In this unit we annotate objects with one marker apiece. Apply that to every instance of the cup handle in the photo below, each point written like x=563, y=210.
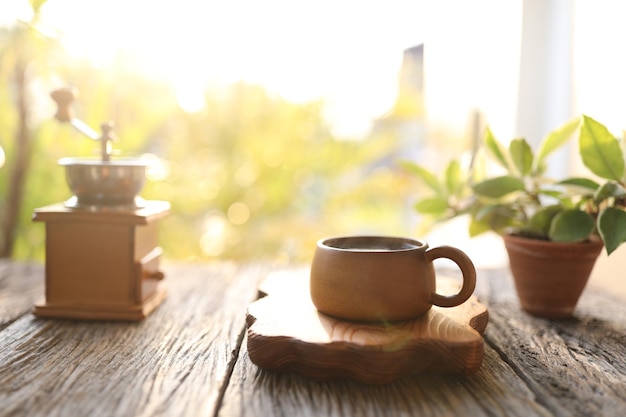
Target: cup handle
x=467, y=269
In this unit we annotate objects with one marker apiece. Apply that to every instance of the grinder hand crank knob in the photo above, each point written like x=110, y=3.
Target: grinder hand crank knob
x=64, y=98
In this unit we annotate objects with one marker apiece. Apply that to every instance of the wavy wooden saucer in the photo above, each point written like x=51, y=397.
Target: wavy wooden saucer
x=287, y=333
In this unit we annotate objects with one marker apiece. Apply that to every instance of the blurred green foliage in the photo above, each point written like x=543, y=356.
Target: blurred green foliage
x=251, y=175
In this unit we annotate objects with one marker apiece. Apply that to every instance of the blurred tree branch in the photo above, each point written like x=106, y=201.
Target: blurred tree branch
x=24, y=44
x=19, y=164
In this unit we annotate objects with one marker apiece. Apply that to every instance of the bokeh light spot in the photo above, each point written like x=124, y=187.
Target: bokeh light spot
x=238, y=213
x=158, y=169
x=215, y=231
x=208, y=189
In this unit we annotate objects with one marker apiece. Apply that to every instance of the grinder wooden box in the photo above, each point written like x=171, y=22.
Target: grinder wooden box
x=102, y=263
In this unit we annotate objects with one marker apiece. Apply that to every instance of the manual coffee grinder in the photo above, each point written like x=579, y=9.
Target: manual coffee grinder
x=102, y=253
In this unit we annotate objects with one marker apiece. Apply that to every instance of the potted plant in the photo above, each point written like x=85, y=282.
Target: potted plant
x=553, y=229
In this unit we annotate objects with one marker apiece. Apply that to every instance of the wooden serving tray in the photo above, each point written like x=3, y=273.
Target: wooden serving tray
x=287, y=333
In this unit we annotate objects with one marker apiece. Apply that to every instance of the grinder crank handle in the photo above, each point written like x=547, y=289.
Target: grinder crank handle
x=64, y=98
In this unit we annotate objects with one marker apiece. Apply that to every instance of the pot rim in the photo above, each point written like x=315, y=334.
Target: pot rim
x=592, y=241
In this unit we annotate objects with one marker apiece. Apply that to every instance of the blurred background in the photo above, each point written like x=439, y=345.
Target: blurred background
x=276, y=123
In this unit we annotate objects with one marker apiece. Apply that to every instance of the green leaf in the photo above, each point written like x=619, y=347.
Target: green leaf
x=522, y=155
x=571, y=226
x=600, y=150
x=542, y=219
x=496, y=217
x=454, y=178
x=478, y=227
x=580, y=182
x=499, y=186
x=539, y=168
x=554, y=140
x=36, y=5
x=608, y=190
x=612, y=228
x=556, y=194
x=496, y=149
x=432, y=206
x=427, y=176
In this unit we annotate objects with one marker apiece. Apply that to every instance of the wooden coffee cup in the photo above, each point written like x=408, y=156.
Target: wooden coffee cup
x=382, y=278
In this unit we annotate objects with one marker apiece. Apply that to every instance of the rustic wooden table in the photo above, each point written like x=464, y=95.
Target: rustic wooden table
x=189, y=358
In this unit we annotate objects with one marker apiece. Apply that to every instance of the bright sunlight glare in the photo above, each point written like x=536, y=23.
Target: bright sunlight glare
x=347, y=52
x=341, y=52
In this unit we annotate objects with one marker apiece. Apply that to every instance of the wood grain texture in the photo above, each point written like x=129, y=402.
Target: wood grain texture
x=21, y=285
x=185, y=359
x=506, y=384
x=176, y=362
x=575, y=367
x=287, y=333
x=495, y=390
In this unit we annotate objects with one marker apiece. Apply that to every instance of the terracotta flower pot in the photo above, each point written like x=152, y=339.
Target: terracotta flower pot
x=550, y=276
